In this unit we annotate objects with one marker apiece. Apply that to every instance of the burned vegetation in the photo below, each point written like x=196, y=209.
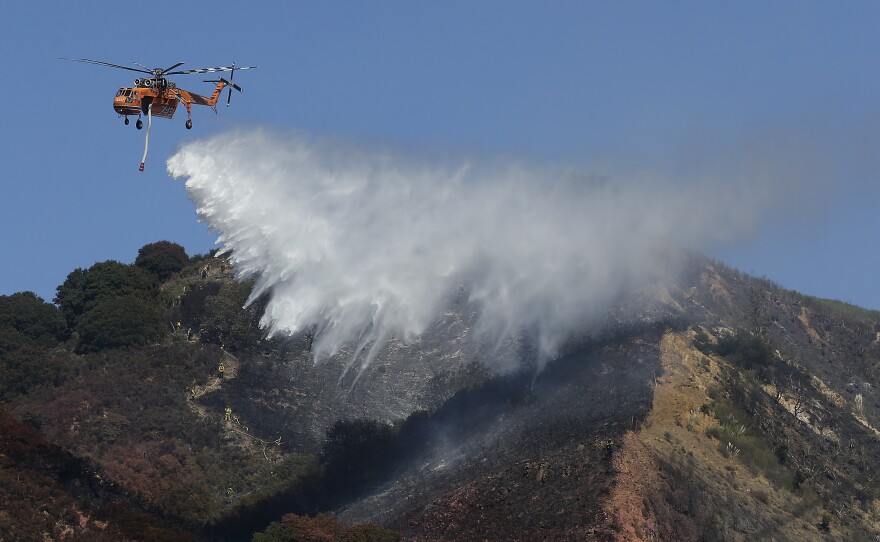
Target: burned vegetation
x=147, y=404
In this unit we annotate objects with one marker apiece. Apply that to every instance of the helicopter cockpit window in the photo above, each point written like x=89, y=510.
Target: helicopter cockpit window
x=120, y=93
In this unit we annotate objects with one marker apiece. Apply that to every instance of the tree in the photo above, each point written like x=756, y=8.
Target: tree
x=162, y=259
x=84, y=289
x=117, y=322
x=25, y=319
x=799, y=392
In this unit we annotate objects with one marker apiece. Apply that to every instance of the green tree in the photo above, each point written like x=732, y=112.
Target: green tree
x=84, y=289
x=25, y=319
x=162, y=259
x=117, y=322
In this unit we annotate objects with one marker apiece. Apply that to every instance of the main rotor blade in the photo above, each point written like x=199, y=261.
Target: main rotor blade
x=210, y=70
x=89, y=61
x=166, y=70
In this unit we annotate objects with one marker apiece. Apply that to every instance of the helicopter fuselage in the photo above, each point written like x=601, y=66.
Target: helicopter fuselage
x=134, y=101
x=163, y=96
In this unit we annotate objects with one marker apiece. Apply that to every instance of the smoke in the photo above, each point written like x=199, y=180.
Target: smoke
x=364, y=244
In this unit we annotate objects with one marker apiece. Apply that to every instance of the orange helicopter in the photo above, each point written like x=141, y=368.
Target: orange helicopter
x=156, y=95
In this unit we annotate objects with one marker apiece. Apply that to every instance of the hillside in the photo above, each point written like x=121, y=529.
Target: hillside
x=755, y=420
x=719, y=407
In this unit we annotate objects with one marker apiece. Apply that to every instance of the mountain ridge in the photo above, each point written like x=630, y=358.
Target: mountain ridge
x=719, y=406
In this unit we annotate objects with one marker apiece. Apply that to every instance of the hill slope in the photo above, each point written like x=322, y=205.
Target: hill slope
x=720, y=407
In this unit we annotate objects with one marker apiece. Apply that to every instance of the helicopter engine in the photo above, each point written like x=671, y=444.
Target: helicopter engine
x=159, y=82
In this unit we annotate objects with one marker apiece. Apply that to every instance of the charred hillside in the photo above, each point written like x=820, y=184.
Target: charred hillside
x=714, y=407
x=757, y=428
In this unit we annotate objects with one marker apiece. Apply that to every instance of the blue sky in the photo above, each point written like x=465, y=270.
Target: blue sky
x=648, y=84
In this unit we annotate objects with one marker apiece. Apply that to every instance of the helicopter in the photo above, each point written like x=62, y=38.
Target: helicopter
x=156, y=95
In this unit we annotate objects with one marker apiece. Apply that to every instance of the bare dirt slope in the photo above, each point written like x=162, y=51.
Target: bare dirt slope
x=676, y=483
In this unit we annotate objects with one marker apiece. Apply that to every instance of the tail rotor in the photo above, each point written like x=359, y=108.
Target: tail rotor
x=232, y=68
x=229, y=93
x=229, y=84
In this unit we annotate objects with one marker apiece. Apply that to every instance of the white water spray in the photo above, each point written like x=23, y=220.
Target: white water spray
x=367, y=244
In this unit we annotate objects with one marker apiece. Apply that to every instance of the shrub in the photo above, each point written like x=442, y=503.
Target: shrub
x=368, y=533
x=745, y=349
x=162, y=259
x=226, y=321
x=112, y=426
x=735, y=440
x=824, y=524
x=191, y=306
x=27, y=367
x=322, y=528
x=702, y=341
